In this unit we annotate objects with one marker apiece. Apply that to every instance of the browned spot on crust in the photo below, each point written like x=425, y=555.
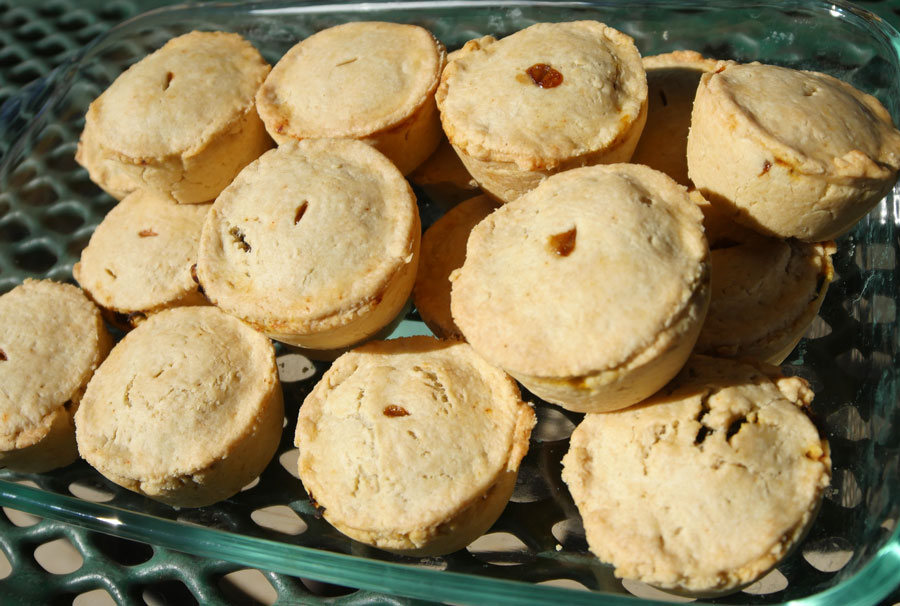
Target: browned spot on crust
x=301, y=210
x=544, y=76
x=395, y=411
x=3, y=356
x=563, y=244
x=766, y=166
x=147, y=233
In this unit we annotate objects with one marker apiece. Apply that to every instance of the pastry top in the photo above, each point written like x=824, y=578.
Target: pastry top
x=444, y=250
x=175, y=395
x=52, y=338
x=672, y=80
x=399, y=436
x=544, y=94
x=308, y=235
x=140, y=256
x=704, y=486
x=179, y=98
x=351, y=80
x=764, y=289
x=617, y=248
x=812, y=122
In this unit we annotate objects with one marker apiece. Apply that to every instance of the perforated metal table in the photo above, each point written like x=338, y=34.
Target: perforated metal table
x=48, y=562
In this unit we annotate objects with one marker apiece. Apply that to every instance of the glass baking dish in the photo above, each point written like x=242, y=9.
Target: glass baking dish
x=536, y=552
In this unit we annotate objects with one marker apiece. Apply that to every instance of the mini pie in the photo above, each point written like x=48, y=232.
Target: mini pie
x=187, y=409
x=52, y=338
x=315, y=244
x=790, y=153
x=444, y=250
x=371, y=81
x=705, y=486
x=182, y=121
x=412, y=445
x=547, y=98
x=672, y=80
x=765, y=291
x=140, y=258
x=591, y=289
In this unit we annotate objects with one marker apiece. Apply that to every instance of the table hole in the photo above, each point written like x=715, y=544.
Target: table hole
x=828, y=555
x=87, y=34
x=123, y=551
x=20, y=518
x=288, y=460
x=570, y=534
x=49, y=47
x=294, y=367
x=5, y=566
x=83, y=186
x=817, y=329
x=847, y=423
x=500, y=549
x=564, y=583
x=76, y=245
x=248, y=584
x=63, y=161
x=552, y=425
x=24, y=173
x=95, y=597
x=13, y=230
x=72, y=21
x=52, y=9
x=36, y=258
x=94, y=494
x=9, y=57
x=531, y=486
x=648, y=592
x=253, y=484
x=280, y=518
x=114, y=12
x=64, y=221
x=773, y=582
x=38, y=194
x=844, y=489
x=31, y=32
x=169, y=592
x=58, y=557
x=326, y=590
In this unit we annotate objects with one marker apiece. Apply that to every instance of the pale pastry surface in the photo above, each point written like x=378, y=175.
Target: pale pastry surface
x=310, y=236
x=790, y=153
x=584, y=273
x=705, y=486
x=52, y=339
x=351, y=80
x=492, y=109
x=184, y=400
x=401, y=436
x=140, y=256
x=444, y=250
x=672, y=80
x=765, y=291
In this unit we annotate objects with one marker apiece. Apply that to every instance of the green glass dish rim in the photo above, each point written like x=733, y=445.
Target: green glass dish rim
x=873, y=582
